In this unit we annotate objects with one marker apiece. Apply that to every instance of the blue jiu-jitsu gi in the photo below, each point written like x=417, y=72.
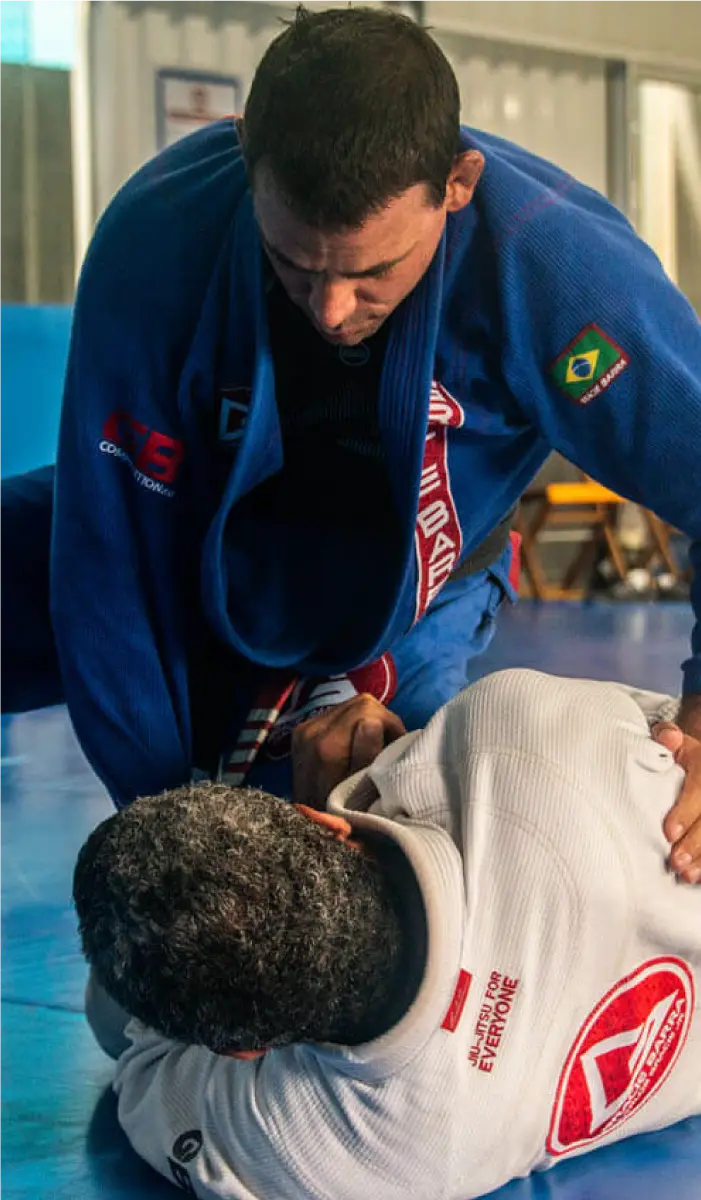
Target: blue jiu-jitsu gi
x=543, y=322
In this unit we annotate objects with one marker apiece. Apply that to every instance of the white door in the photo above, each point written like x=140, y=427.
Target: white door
x=669, y=183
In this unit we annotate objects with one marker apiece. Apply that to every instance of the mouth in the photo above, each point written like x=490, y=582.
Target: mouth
x=349, y=337
x=340, y=339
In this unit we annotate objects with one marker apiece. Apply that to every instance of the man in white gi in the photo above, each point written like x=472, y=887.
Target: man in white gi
x=474, y=964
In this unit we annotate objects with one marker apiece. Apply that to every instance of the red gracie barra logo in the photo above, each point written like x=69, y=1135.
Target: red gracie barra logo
x=438, y=533
x=623, y=1054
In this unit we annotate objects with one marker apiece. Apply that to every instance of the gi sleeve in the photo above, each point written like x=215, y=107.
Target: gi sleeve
x=604, y=354
x=433, y=661
x=211, y=1124
x=117, y=546
x=655, y=706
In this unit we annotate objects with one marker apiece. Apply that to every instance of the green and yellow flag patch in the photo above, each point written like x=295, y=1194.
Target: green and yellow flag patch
x=588, y=366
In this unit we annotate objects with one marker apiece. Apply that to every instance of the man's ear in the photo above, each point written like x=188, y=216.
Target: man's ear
x=464, y=176
x=336, y=825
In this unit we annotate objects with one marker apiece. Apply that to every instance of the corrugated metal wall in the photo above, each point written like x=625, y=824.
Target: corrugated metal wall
x=661, y=33
x=130, y=42
x=534, y=97
x=553, y=104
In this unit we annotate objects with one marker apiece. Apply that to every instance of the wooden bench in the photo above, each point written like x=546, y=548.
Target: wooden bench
x=585, y=505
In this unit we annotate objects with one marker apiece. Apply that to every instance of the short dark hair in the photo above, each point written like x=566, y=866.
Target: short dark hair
x=223, y=917
x=348, y=108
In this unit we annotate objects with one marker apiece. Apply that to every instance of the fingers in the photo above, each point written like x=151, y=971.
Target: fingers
x=320, y=761
x=677, y=822
x=668, y=735
x=682, y=825
x=368, y=741
x=686, y=855
x=335, y=744
x=394, y=727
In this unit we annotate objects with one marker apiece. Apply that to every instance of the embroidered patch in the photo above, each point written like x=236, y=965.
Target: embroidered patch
x=451, y=1019
x=623, y=1054
x=588, y=366
x=233, y=414
x=354, y=356
x=187, y=1146
x=154, y=458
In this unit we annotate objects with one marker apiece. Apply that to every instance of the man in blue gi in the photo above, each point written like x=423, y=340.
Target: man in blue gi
x=318, y=354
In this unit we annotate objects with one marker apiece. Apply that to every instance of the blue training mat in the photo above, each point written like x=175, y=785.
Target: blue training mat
x=60, y=1135
x=34, y=354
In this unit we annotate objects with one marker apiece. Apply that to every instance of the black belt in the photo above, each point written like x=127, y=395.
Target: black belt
x=489, y=550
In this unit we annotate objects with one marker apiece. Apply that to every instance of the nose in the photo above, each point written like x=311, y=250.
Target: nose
x=332, y=302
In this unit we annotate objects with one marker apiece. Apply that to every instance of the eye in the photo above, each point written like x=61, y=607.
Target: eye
x=288, y=266
x=284, y=264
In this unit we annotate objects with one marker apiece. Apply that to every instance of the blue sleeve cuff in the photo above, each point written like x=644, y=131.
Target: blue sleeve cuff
x=692, y=676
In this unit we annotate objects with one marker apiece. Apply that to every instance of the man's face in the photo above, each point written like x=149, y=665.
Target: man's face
x=348, y=283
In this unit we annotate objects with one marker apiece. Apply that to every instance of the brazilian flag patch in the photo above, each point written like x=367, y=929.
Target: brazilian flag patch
x=588, y=366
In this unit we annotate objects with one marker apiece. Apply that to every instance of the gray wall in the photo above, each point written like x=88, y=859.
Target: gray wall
x=131, y=40
x=535, y=98
x=530, y=71
x=662, y=31
x=128, y=42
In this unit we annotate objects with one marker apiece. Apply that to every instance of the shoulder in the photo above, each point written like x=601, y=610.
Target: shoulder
x=163, y=230
x=525, y=711
x=184, y=185
x=570, y=267
x=537, y=209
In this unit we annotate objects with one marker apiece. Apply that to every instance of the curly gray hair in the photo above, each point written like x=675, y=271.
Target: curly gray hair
x=224, y=917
